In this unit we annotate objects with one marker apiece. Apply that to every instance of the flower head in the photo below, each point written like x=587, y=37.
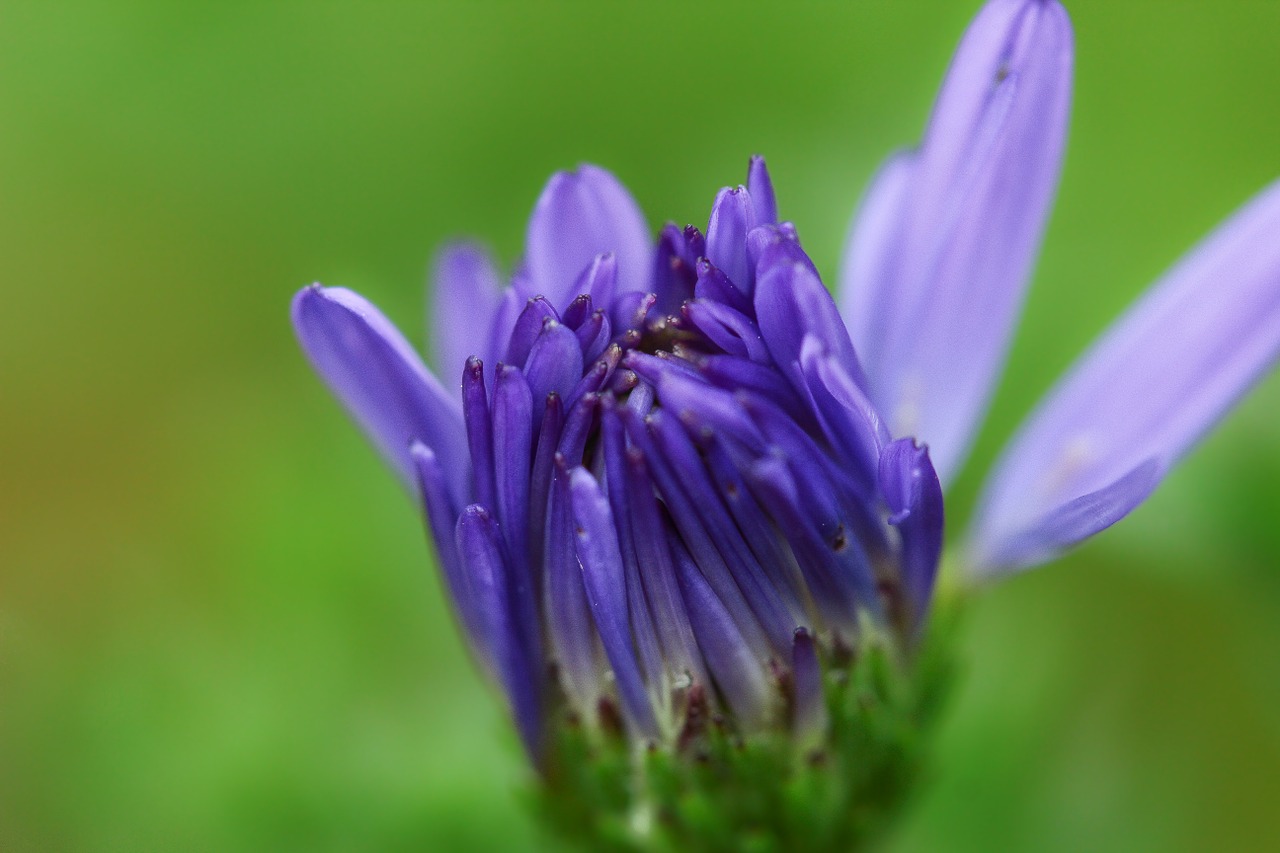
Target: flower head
x=677, y=479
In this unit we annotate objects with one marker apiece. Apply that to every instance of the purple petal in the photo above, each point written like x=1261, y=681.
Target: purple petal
x=914, y=498
x=582, y=214
x=526, y=328
x=604, y=580
x=714, y=286
x=1160, y=378
x=680, y=649
x=731, y=219
x=792, y=302
x=809, y=713
x=570, y=632
x=760, y=186
x=738, y=673
x=481, y=551
x=467, y=294
x=380, y=379
x=475, y=411
x=735, y=333
x=555, y=361
x=951, y=233
x=512, y=453
x=599, y=279
x=442, y=518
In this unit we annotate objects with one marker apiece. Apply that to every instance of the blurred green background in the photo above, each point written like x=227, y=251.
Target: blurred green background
x=219, y=626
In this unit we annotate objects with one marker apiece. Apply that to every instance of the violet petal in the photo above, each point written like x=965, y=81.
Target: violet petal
x=382, y=382
x=1150, y=387
x=960, y=227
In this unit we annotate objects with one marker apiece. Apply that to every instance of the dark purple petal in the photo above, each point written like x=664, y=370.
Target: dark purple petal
x=731, y=551
x=594, y=336
x=467, y=294
x=809, y=713
x=695, y=537
x=961, y=226
x=512, y=456
x=760, y=185
x=604, y=579
x=475, y=410
x=674, y=272
x=527, y=328
x=380, y=379
x=570, y=630
x=714, y=286
x=643, y=630
x=680, y=649
x=792, y=302
x=739, y=675
x=774, y=557
x=731, y=219
x=1157, y=380
x=837, y=571
x=712, y=407
x=582, y=214
x=578, y=311
x=480, y=547
x=555, y=361
x=733, y=332
x=914, y=498
x=543, y=464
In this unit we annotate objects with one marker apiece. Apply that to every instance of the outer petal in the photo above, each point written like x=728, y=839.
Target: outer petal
x=382, y=382
x=580, y=215
x=479, y=545
x=466, y=294
x=944, y=243
x=1164, y=374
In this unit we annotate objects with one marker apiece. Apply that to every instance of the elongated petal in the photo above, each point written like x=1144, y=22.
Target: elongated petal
x=791, y=302
x=479, y=545
x=914, y=497
x=383, y=383
x=731, y=218
x=604, y=580
x=950, y=233
x=760, y=185
x=555, y=361
x=738, y=673
x=1164, y=374
x=582, y=214
x=466, y=294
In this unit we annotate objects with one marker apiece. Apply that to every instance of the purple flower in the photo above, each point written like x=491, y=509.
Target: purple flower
x=655, y=473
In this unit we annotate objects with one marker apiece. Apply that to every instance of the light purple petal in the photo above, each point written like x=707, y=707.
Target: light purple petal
x=1164, y=373
x=946, y=238
x=582, y=214
x=466, y=295
x=383, y=383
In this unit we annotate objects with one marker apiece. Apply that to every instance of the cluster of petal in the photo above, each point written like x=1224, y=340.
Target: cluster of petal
x=666, y=468
x=662, y=472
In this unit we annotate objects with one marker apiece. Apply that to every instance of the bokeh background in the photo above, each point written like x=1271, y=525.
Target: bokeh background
x=219, y=625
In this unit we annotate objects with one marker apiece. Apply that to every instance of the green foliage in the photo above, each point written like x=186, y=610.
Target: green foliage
x=714, y=788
